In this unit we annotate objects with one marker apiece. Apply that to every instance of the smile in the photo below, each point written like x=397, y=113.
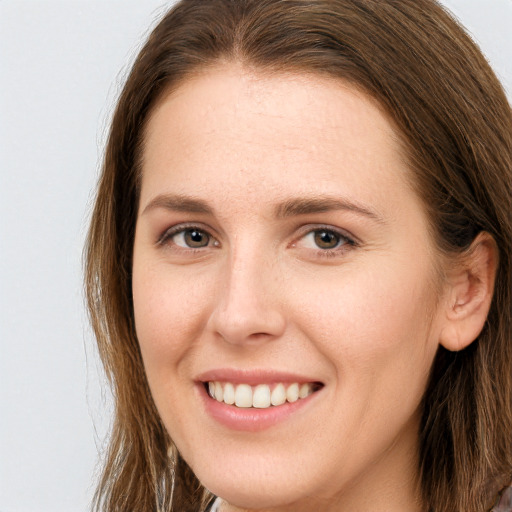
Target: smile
x=261, y=396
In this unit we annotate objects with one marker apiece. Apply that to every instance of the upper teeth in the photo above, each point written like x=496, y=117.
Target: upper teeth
x=260, y=396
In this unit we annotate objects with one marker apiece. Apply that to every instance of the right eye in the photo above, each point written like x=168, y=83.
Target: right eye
x=187, y=237
x=192, y=238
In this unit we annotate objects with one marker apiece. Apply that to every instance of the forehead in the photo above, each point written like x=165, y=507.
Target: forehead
x=276, y=135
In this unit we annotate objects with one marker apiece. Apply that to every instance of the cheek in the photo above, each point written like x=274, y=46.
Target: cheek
x=374, y=327
x=170, y=309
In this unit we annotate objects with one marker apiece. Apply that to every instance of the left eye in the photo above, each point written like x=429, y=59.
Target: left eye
x=192, y=238
x=324, y=239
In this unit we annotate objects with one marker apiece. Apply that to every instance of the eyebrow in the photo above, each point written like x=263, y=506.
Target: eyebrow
x=179, y=203
x=321, y=204
x=288, y=208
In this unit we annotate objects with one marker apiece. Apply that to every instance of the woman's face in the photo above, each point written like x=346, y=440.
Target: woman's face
x=281, y=253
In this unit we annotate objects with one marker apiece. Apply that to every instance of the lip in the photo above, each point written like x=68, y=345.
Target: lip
x=252, y=419
x=253, y=377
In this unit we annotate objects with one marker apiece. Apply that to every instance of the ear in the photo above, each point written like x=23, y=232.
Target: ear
x=469, y=294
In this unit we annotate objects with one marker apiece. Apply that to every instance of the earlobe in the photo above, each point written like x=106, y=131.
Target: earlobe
x=471, y=286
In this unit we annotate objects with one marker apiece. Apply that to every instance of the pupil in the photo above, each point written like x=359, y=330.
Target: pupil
x=196, y=238
x=326, y=239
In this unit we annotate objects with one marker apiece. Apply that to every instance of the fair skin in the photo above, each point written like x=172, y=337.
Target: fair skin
x=278, y=242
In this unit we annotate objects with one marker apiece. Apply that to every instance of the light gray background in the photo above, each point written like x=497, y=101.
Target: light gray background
x=61, y=66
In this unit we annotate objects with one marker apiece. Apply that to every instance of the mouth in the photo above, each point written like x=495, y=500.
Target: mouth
x=260, y=396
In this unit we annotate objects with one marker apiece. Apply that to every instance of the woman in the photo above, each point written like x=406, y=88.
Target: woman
x=298, y=266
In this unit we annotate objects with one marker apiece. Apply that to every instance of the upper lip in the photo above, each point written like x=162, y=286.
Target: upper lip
x=253, y=377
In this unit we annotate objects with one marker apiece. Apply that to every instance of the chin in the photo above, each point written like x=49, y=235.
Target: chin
x=254, y=494
x=264, y=482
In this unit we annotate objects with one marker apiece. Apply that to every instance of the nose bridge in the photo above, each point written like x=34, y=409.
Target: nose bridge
x=247, y=308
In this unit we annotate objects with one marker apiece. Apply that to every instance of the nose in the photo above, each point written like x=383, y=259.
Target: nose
x=248, y=309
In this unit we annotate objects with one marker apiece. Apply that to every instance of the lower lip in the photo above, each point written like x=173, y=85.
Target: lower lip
x=251, y=419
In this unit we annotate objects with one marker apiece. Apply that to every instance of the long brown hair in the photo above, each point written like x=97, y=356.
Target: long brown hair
x=456, y=126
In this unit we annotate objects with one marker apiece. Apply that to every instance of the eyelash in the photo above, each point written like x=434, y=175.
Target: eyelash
x=167, y=236
x=345, y=242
